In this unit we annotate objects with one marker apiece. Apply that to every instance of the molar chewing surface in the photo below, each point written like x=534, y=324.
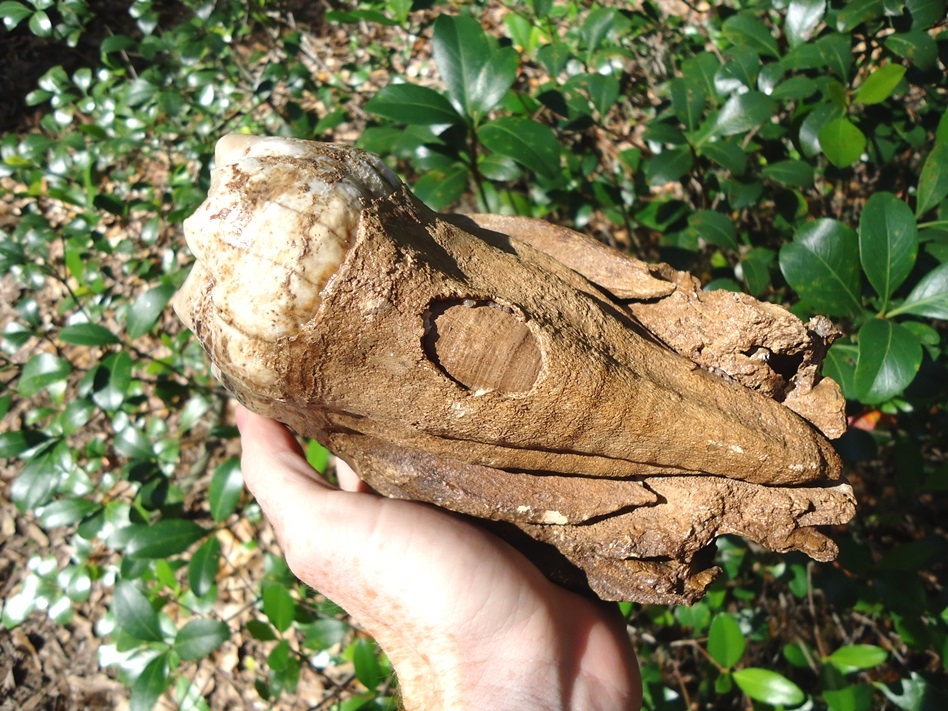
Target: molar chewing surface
x=275, y=227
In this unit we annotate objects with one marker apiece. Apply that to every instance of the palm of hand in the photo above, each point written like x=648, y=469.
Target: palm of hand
x=466, y=621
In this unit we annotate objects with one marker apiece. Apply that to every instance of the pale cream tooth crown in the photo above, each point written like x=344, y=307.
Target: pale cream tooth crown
x=273, y=230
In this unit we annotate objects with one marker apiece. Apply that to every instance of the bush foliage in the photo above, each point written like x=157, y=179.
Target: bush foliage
x=793, y=149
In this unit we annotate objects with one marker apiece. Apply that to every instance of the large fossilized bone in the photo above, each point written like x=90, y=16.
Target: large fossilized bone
x=607, y=415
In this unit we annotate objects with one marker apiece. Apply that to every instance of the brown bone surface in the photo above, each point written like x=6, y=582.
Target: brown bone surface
x=607, y=416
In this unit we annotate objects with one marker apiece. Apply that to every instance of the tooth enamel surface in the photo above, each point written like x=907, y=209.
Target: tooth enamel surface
x=277, y=222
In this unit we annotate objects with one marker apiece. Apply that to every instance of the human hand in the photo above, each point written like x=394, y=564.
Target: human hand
x=466, y=620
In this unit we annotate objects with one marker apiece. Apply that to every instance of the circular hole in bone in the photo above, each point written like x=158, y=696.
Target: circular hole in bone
x=482, y=345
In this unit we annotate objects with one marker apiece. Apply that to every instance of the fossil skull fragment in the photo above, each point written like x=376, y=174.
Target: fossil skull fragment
x=605, y=415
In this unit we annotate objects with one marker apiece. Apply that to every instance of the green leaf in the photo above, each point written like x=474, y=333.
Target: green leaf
x=701, y=68
x=803, y=17
x=602, y=90
x=112, y=380
x=14, y=443
x=476, y=74
x=261, y=630
x=204, y=566
x=163, y=539
x=855, y=657
x=880, y=84
x=528, y=142
x=933, y=180
x=856, y=12
x=151, y=684
x=132, y=443
x=849, y=698
x=794, y=88
x=13, y=13
x=925, y=13
x=35, y=483
x=742, y=112
x=88, y=334
x=410, y=103
x=688, y=100
x=726, y=643
x=227, y=484
x=739, y=71
x=323, y=634
x=278, y=605
x=842, y=142
x=134, y=613
x=727, y=154
x=715, y=228
x=929, y=297
x=790, y=173
x=837, y=53
x=840, y=365
x=888, y=242
x=815, y=121
x=750, y=31
x=768, y=687
x=917, y=46
x=439, y=188
x=669, y=165
x=889, y=358
x=147, y=308
x=199, y=637
x=41, y=371
x=63, y=512
x=366, y=662
x=755, y=267
x=822, y=265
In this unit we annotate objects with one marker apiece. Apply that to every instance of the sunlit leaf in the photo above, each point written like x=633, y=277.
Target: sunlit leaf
x=476, y=74
x=856, y=12
x=529, y=142
x=88, y=334
x=204, y=566
x=929, y=297
x=669, y=165
x=879, y=85
x=933, y=180
x=791, y=173
x=715, y=228
x=842, y=142
x=278, y=605
x=134, y=613
x=147, y=308
x=199, y=637
x=888, y=242
x=822, y=265
x=855, y=657
x=226, y=488
x=803, y=16
x=726, y=642
x=742, y=112
x=151, y=684
x=917, y=46
x=751, y=31
x=41, y=371
x=365, y=660
x=439, y=188
x=768, y=687
x=163, y=539
x=889, y=358
x=410, y=103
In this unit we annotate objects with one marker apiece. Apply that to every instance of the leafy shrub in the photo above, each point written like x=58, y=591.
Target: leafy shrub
x=796, y=150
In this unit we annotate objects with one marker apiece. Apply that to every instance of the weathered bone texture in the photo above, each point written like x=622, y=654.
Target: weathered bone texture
x=608, y=416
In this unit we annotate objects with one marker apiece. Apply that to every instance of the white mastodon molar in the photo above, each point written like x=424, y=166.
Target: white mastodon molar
x=275, y=227
x=276, y=224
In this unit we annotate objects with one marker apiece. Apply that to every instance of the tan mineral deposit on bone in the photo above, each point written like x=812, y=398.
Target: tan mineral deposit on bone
x=607, y=416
